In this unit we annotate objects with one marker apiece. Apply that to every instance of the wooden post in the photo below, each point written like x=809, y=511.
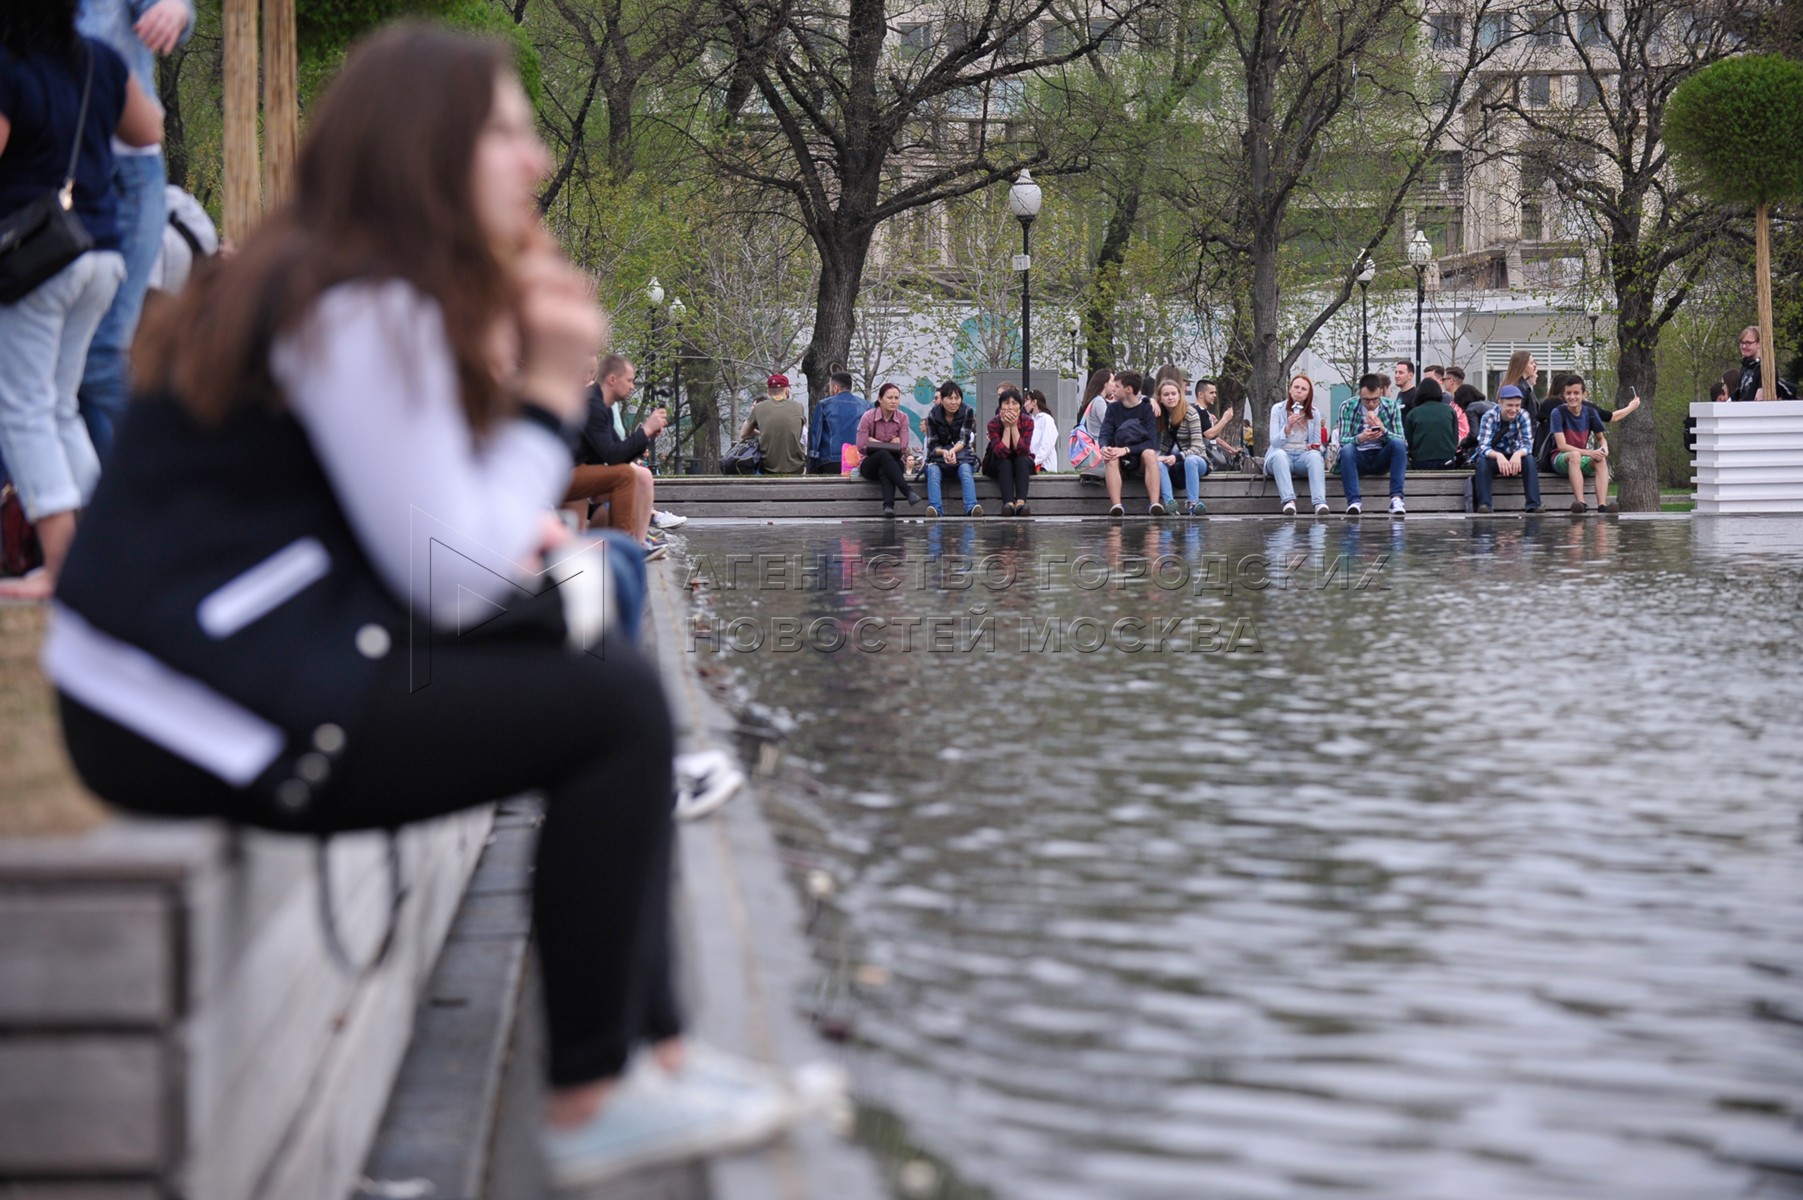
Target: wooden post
x=1768, y=377
x=242, y=203
x=281, y=103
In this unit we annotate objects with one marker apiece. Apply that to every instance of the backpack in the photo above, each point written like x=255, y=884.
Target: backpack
x=744, y=457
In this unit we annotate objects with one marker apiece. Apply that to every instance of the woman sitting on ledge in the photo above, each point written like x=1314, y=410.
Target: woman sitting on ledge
x=1010, y=460
x=951, y=446
x=389, y=363
x=883, y=441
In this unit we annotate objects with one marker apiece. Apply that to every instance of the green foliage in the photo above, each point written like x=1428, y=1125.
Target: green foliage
x=1738, y=127
x=326, y=29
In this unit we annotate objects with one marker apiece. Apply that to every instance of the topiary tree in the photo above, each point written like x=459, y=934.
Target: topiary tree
x=1737, y=127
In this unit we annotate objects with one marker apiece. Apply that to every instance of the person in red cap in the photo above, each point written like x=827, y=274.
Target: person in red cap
x=778, y=423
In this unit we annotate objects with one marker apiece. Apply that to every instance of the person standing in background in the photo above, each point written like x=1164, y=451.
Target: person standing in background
x=46, y=68
x=139, y=30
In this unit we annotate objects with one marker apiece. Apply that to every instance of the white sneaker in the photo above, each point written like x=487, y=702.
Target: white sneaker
x=705, y=780
x=1397, y=507
x=1354, y=509
x=1289, y=508
x=667, y=520
x=653, y=1118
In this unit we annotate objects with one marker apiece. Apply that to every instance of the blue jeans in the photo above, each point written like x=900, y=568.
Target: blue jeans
x=1486, y=472
x=1194, y=467
x=967, y=484
x=1388, y=455
x=1283, y=466
x=138, y=181
x=43, y=340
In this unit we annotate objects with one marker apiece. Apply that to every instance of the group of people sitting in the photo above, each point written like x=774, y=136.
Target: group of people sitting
x=1385, y=433
x=1018, y=441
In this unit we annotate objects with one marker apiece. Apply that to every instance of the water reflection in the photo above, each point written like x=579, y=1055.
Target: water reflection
x=1480, y=877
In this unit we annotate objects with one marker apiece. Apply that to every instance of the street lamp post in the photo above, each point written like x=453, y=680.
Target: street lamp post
x=678, y=310
x=1367, y=272
x=1023, y=201
x=654, y=294
x=1421, y=252
x=1594, y=316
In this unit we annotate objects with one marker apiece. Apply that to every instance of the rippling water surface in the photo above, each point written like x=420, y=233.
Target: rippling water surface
x=1482, y=880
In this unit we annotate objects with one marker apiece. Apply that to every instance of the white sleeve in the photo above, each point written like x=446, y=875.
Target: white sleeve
x=371, y=379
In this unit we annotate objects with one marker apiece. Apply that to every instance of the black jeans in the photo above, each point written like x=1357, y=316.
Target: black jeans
x=885, y=466
x=497, y=718
x=1011, y=475
x=1487, y=471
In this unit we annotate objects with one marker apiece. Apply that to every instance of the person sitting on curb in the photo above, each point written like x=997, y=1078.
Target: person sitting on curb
x=1576, y=428
x=834, y=424
x=606, y=473
x=1010, y=458
x=1505, y=446
x=1433, y=429
x=1371, y=443
x=1296, y=441
x=778, y=423
x=883, y=441
x=1183, y=434
x=1129, y=443
x=1045, y=430
x=951, y=438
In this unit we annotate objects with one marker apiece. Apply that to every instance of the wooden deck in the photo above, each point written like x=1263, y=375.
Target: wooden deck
x=1229, y=494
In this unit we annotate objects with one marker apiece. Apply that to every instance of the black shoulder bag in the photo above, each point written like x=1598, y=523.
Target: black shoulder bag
x=45, y=236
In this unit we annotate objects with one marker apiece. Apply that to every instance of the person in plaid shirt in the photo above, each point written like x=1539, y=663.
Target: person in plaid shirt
x=1505, y=446
x=1371, y=443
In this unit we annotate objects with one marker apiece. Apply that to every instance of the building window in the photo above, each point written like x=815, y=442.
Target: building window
x=957, y=34
x=1589, y=94
x=1447, y=83
x=1537, y=91
x=1108, y=33
x=1449, y=173
x=1590, y=28
x=1019, y=47
x=1533, y=225
x=915, y=38
x=1493, y=29
x=1054, y=38
x=1448, y=30
x=1545, y=27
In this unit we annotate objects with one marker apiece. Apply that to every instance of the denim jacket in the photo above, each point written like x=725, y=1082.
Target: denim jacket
x=111, y=21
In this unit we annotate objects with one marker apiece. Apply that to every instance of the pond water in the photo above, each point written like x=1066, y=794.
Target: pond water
x=1450, y=859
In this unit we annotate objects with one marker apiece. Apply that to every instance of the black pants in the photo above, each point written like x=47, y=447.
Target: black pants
x=497, y=718
x=885, y=466
x=1011, y=475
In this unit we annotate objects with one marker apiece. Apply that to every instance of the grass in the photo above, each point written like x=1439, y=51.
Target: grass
x=39, y=793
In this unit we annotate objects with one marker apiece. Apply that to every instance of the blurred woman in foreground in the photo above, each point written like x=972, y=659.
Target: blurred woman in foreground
x=387, y=366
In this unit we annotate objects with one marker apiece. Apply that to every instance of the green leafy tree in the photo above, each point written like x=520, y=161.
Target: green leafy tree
x=1737, y=128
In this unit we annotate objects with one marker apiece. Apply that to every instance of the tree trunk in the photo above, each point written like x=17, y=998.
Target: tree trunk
x=1265, y=384
x=619, y=129
x=701, y=382
x=1635, y=458
x=1104, y=293
x=842, y=258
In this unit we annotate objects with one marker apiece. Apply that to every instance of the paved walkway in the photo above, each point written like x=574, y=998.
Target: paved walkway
x=463, y=1117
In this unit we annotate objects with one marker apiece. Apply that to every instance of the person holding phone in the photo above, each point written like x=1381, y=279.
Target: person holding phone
x=1297, y=440
x=389, y=364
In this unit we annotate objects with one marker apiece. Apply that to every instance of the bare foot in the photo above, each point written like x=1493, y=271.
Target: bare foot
x=670, y=1054
x=573, y=1106
x=34, y=585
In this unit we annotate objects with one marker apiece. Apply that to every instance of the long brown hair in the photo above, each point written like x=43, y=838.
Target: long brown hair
x=1308, y=401
x=383, y=190
x=1518, y=367
x=1098, y=379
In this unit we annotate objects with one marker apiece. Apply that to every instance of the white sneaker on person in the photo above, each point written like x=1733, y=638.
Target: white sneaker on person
x=705, y=780
x=654, y=1117
x=1354, y=509
x=1289, y=508
x=1397, y=507
x=667, y=520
